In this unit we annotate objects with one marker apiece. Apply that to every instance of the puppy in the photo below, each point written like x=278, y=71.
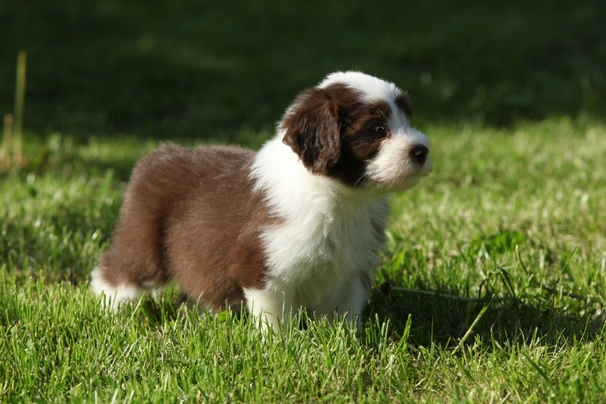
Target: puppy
x=297, y=224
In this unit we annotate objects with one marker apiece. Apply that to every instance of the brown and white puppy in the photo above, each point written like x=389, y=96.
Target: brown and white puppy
x=297, y=224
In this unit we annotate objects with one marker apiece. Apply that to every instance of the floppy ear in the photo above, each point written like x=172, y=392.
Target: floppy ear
x=312, y=130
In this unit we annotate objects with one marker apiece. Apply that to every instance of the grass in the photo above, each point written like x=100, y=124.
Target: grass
x=497, y=262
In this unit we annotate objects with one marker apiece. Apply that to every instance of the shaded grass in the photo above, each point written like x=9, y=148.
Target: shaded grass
x=201, y=70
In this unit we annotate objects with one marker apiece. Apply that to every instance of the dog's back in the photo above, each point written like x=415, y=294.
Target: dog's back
x=188, y=214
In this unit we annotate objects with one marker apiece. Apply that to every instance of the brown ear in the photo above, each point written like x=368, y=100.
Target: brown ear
x=312, y=130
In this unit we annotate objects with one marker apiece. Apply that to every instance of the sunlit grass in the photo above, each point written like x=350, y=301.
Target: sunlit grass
x=513, y=223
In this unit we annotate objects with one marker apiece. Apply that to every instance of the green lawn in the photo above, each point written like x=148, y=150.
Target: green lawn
x=497, y=261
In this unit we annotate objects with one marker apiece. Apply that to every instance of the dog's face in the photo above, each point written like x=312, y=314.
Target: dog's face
x=355, y=128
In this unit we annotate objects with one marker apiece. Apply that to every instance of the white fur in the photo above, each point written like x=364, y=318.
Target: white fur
x=372, y=88
x=269, y=306
x=392, y=169
x=113, y=295
x=327, y=240
x=325, y=221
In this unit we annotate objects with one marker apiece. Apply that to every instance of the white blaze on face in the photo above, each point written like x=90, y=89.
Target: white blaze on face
x=370, y=87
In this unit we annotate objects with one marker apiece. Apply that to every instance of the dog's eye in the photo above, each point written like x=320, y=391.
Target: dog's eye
x=376, y=128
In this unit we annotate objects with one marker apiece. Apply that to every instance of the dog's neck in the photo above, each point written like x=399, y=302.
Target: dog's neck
x=279, y=173
x=321, y=217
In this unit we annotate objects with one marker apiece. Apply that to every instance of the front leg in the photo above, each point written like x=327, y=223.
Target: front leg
x=349, y=300
x=272, y=307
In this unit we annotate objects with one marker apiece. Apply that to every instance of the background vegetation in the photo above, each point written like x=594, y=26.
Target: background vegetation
x=507, y=239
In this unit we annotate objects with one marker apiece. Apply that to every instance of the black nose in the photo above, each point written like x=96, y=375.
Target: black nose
x=419, y=154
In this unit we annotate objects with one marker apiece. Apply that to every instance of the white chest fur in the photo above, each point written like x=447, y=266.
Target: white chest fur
x=324, y=244
x=328, y=237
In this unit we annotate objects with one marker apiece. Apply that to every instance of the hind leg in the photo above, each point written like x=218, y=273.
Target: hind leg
x=134, y=262
x=113, y=293
x=125, y=280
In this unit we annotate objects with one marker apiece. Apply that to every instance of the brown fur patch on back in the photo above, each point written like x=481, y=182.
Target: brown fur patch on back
x=191, y=214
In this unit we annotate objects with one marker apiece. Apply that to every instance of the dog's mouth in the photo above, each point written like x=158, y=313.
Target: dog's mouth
x=427, y=167
x=399, y=183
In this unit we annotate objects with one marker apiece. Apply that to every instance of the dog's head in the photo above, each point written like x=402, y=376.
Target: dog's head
x=355, y=128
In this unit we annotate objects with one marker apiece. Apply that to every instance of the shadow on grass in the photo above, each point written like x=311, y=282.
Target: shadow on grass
x=445, y=321
x=201, y=70
x=435, y=320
